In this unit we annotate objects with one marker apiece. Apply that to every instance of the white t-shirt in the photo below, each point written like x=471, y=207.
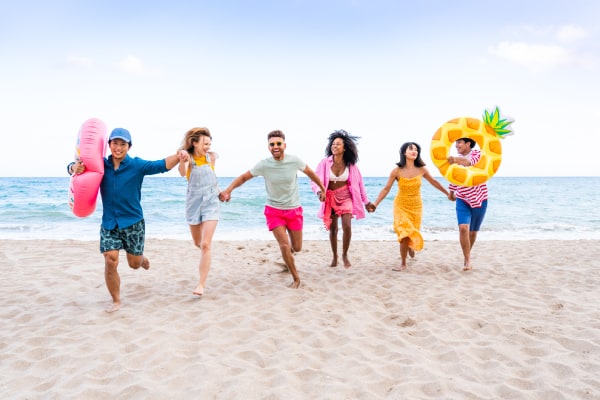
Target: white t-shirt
x=281, y=180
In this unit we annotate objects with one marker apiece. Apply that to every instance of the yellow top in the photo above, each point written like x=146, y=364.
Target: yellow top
x=200, y=161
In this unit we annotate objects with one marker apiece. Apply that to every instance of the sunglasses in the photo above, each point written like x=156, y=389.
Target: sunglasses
x=272, y=144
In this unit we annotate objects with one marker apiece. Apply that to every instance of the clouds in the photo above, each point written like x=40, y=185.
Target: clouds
x=387, y=71
x=78, y=61
x=553, y=48
x=570, y=33
x=134, y=66
x=129, y=65
x=534, y=56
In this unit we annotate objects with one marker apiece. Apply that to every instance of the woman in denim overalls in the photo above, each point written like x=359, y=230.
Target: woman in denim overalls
x=202, y=206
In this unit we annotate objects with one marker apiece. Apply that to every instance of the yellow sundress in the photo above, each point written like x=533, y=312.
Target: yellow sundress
x=408, y=209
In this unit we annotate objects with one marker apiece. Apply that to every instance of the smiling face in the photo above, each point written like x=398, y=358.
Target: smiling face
x=337, y=147
x=277, y=147
x=118, y=149
x=462, y=147
x=202, y=146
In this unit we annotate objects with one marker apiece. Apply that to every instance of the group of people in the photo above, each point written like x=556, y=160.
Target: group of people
x=337, y=182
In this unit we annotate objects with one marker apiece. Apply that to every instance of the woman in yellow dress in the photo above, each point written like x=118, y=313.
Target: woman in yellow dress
x=408, y=205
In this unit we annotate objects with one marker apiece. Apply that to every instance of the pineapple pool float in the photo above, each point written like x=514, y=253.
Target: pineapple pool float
x=486, y=134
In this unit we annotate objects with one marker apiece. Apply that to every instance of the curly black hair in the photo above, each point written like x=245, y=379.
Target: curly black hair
x=350, y=150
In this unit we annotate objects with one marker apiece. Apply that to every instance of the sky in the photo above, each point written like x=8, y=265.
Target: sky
x=386, y=71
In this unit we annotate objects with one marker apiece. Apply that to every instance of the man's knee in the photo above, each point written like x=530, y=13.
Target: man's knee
x=463, y=228
x=134, y=262
x=296, y=247
x=111, y=259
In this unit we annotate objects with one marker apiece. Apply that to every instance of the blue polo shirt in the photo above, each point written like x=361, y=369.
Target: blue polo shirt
x=121, y=190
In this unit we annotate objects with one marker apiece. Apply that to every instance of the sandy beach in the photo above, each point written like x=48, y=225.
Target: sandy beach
x=524, y=324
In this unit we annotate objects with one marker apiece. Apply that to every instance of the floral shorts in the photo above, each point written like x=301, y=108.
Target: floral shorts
x=130, y=239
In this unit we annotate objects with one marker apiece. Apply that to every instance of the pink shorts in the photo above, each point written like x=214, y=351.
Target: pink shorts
x=291, y=219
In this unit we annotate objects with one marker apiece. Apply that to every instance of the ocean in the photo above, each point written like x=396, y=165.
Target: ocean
x=519, y=208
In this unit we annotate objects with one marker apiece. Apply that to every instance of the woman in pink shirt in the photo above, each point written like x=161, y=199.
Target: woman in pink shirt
x=345, y=195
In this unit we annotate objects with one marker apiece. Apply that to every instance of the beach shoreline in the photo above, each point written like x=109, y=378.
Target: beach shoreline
x=524, y=324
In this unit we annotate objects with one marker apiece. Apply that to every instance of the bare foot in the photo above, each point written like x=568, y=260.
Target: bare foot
x=411, y=253
x=346, y=262
x=400, y=268
x=199, y=291
x=333, y=262
x=146, y=263
x=114, y=307
x=295, y=284
x=467, y=266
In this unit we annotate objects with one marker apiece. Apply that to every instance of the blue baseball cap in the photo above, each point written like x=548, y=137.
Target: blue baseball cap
x=120, y=133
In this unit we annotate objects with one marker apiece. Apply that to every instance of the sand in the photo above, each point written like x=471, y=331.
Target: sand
x=524, y=324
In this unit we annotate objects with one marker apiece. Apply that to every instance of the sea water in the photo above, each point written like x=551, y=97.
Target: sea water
x=562, y=208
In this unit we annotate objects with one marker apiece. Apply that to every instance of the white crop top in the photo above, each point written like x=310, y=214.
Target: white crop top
x=341, y=178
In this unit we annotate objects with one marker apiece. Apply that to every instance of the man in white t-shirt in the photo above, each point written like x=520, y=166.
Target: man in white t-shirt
x=283, y=211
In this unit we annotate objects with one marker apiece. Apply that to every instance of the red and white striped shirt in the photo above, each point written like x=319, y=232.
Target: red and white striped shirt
x=472, y=195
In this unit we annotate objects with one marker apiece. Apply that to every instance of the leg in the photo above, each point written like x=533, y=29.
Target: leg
x=346, y=237
x=465, y=244
x=133, y=239
x=281, y=235
x=295, y=240
x=465, y=217
x=472, y=238
x=333, y=232
x=138, y=261
x=403, y=253
x=202, y=235
x=112, y=278
x=477, y=216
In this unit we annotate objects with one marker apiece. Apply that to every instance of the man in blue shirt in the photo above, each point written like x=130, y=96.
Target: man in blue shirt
x=122, y=217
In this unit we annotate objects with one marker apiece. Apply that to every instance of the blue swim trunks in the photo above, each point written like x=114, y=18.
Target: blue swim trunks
x=130, y=239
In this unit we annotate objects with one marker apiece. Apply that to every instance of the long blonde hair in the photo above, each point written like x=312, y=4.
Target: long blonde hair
x=193, y=136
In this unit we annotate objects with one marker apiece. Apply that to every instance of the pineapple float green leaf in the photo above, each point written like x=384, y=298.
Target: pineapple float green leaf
x=498, y=125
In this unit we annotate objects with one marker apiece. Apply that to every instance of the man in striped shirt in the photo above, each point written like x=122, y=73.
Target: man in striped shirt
x=471, y=201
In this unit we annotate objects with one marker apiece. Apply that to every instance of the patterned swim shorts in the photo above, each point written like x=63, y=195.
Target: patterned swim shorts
x=130, y=239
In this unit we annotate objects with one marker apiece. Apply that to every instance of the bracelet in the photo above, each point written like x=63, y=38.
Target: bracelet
x=69, y=168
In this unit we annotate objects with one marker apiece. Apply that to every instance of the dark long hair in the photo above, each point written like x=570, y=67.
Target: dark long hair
x=418, y=161
x=350, y=150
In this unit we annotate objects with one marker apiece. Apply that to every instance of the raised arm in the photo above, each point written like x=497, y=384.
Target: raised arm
x=225, y=195
x=319, y=171
x=434, y=182
x=184, y=160
x=388, y=185
x=172, y=161
x=313, y=177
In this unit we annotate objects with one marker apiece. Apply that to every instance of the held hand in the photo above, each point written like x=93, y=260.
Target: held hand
x=370, y=207
x=321, y=196
x=224, y=196
x=451, y=196
x=184, y=156
x=78, y=167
